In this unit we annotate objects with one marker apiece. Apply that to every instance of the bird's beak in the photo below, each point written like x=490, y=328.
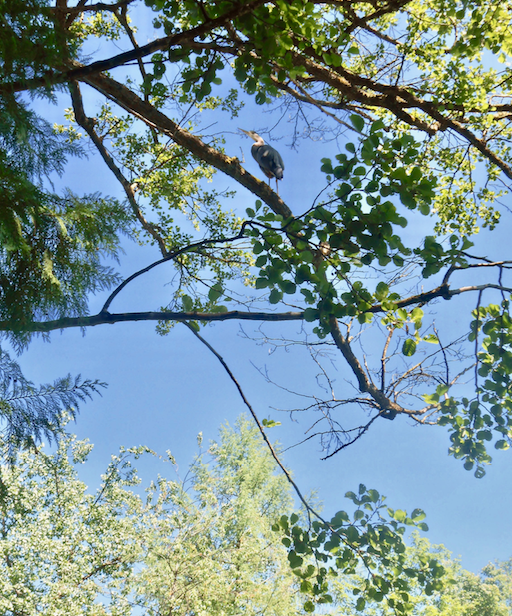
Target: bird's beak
x=244, y=131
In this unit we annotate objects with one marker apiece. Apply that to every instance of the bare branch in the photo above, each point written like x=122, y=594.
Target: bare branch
x=103, y=318
x=170, y=256
x=310, y=511
x=388, y=408
x=383, y=360
x=360, y=432
x=256, y=420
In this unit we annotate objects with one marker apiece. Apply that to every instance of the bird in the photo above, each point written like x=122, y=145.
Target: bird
x=267, y=157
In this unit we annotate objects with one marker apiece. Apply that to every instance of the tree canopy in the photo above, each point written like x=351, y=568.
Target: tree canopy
x=413, y=98
x=198, y=544
x=192, y=545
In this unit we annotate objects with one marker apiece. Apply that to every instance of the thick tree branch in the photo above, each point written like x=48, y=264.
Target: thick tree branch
x=79, y=73
x=388, y=408
x=98, y=6
x=103, y=318
x=396, y=99
x=354, y=87
x=442, y=290
x=231, y=166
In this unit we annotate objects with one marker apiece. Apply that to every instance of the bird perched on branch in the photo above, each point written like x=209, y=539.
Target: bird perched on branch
x=267, y=157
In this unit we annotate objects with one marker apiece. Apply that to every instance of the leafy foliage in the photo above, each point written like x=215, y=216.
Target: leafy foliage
x=422, y=87
x=358, y=227
x=33, y=43
x=368, y=543
x=472, y=422
x=208, y=550
x=462, y=592
x=410, y=81
x=51, y=246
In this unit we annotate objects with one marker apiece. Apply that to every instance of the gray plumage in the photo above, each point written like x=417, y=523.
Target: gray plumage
x=267, y=157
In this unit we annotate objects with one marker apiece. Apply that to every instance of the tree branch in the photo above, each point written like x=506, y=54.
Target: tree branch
x=79, y=73
x=310, y=511
x=88, y=125
x=256, y=420
x=99, y=6
x=172, y=255
x=103, y=318
x=388, y=408
x=128, y=100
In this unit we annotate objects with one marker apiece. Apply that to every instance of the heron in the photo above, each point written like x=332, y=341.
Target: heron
x=267, y=157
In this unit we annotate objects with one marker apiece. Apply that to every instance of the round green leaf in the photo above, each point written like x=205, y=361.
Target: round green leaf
x=357, y=122
x=409, y=347
x=215, y=292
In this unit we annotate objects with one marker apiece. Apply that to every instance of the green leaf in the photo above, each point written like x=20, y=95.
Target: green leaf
x=295, y=560
x=187, y=303
x=275, y=296
x=326, y=165
x=374, y=495
x=468, y=464
x=400, y=515
x=215, y=292
x=409, y=347
x=418, y=515
x=484, y=435
x=357, y=122
x=310, y=315
x=271, y=423
x=306, y=587
x=381, y=291
x=288, y=287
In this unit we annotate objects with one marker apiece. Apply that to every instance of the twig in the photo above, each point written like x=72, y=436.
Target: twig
x=168, y=257
x=256, y=420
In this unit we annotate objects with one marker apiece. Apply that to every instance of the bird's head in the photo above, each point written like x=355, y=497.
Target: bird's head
x=250, y=133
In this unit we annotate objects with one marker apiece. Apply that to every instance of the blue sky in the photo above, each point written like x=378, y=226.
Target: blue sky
x=164, y=390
